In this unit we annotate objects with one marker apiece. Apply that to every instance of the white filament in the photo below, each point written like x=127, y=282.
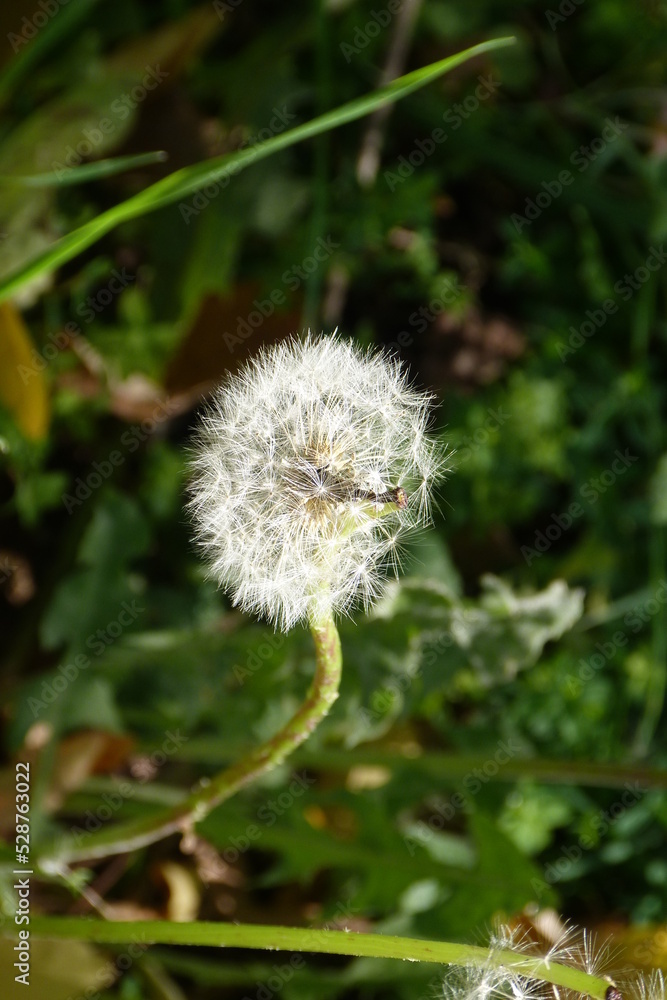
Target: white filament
x=296, y=474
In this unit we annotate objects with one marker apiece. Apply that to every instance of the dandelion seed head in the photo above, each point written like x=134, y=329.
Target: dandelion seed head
x=545, y=943
x=310, y=467
x=489, y=982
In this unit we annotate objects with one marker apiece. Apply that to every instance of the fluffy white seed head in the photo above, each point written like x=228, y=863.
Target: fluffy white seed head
x=309, y=467
x=495, y=977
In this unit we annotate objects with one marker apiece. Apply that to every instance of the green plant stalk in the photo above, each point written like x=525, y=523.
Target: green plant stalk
x=187, y=181
x=303, y=939
x=130, y=836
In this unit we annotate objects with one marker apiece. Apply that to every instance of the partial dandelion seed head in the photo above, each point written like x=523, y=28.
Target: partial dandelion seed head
x=309, y=468
x=651, y=987
x=519, y=954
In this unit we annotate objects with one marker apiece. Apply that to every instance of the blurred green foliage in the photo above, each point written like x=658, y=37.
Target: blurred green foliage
x=553, y=402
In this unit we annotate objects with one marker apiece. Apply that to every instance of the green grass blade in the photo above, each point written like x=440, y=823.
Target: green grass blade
x=87, y=172
x=304, y=939
x=185, y=182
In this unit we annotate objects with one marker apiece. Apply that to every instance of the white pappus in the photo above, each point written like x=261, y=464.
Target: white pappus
x=308, y=468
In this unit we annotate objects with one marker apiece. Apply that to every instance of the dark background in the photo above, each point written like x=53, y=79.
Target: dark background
x=508, y=245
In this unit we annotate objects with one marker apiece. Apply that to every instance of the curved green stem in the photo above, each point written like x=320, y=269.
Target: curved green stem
x=329, y=942
x=124, y=837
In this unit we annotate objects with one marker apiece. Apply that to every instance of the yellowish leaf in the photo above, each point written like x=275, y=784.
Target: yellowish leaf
x=183, y=898
x=22, y=386
x=57, y=969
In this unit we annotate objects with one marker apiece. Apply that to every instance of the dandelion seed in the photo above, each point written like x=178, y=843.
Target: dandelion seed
x=310, y=467
x=495, y=977
x=588, y=953
x=651, y=987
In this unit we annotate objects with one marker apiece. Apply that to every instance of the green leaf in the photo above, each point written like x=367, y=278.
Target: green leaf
x=493, y=638
x=38, y=492
x=510, y=880
x=93, y=598
x=185, y=182
x=85, y=702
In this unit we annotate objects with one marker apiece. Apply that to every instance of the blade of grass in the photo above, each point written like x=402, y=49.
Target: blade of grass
x=656, y=687
x=87, y=172
x=187, y=181
x=439, y=766
x=303, y=939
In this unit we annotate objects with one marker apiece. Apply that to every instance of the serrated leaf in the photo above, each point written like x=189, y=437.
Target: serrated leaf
x=93, y=598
